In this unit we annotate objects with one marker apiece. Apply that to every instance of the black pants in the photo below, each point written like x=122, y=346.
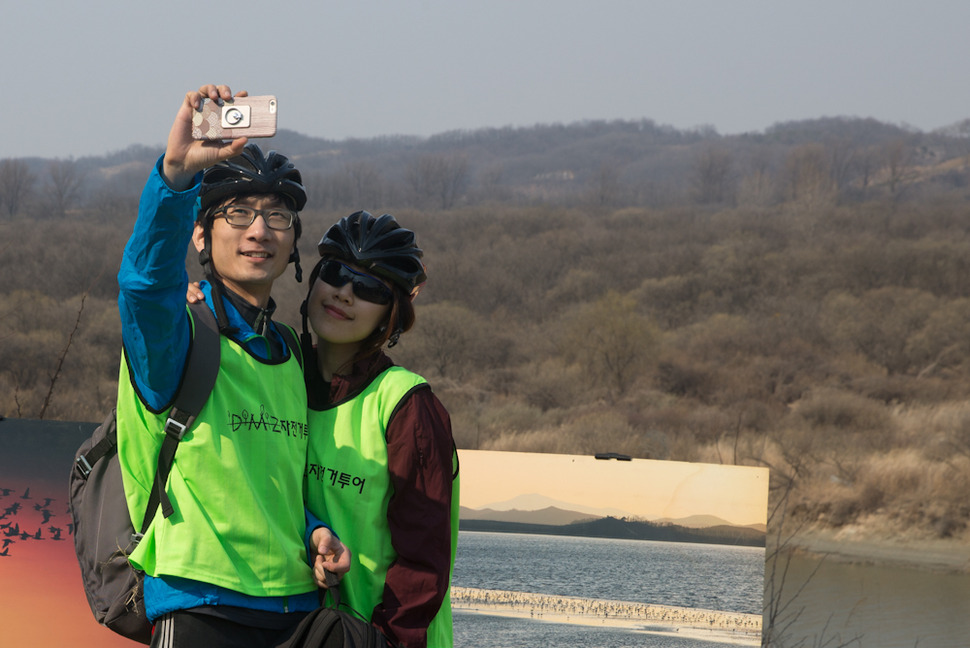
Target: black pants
x=184, y=629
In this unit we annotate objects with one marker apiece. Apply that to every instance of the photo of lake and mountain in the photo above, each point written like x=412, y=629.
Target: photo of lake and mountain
x=605, y=551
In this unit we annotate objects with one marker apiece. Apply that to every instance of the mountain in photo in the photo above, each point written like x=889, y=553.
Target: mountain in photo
x=549, y=515
x=528, y=502
x=554, y=517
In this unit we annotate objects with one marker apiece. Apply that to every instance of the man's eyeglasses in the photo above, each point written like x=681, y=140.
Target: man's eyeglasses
x=365, y=286
x=243, y=216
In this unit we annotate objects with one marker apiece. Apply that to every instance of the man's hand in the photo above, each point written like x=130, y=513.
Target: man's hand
x=184, y=156
x=327, y=553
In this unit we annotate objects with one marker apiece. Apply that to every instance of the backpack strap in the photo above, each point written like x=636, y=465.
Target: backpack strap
x=202, y=368
x=108, y=444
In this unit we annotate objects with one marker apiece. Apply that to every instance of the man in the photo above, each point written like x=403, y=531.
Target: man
x=228, y=567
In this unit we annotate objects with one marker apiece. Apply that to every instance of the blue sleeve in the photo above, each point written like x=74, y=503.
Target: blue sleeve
x=152, y=281
x=312, y=524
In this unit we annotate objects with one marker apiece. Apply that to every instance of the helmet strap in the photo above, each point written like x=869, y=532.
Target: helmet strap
x=306, y=340
x=205, y=258
x=295, y=260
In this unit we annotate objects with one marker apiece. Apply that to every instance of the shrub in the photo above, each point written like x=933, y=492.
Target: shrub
x=550, y=384
x=844, y=410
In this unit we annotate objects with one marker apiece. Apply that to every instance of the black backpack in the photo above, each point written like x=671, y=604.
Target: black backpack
x=103, y=533
x=331, y=627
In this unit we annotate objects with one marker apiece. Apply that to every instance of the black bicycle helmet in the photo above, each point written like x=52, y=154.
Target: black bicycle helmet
x=379, y=244
x=252, y=173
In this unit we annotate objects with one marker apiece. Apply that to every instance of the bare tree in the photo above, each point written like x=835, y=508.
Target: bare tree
x=451, y=340
x=957, y=141
x=881, y=324
x=492, y=181
x=16, y=183
x=841, y=156
x=809, y=176
x=711, y=179
x=605, y=185
x=437, y=179
x=66, y=180
x=782, y=596
x=60, y=360
x=899, y=160
x=611, y=339
x=363, y=183
x=757, y=188
x=866, y=164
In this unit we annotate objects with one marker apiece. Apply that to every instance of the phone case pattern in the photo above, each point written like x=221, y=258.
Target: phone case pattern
x=207, y=125
x=207, y=122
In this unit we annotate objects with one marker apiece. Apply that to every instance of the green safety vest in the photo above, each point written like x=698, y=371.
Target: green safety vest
x=236, y=483
x=349, y=486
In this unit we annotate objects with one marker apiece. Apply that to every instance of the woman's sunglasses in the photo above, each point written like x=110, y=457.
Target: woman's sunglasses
x=365, y=286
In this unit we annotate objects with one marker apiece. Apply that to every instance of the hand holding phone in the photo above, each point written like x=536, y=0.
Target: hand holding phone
x=235, y=118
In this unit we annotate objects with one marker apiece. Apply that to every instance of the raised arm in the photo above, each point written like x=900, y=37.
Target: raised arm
x=152, y=280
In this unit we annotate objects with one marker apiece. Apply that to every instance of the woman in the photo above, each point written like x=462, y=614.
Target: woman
x=382, y=467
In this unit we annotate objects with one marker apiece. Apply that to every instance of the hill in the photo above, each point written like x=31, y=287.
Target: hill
x=795, y=299
x=595, y=163
x=549, y=515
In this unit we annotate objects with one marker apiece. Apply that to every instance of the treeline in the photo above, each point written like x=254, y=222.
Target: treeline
x=595, y=164
x=625, y=529
x=826, y=339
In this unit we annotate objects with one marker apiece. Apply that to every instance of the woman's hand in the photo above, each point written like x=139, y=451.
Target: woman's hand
x=194, y=294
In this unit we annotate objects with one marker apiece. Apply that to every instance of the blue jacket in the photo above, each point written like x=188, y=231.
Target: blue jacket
x=156, y=333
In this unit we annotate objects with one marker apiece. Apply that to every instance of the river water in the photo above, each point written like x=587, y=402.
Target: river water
x=875, y=606
x=826, y=603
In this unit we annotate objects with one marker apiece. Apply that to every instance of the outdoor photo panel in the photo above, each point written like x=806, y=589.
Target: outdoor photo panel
x=639, y=545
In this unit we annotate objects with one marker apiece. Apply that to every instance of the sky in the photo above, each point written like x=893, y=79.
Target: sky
x=642, y=488
x=90, y=78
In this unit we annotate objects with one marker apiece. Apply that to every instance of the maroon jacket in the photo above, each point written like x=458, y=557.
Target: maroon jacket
x=419, y=455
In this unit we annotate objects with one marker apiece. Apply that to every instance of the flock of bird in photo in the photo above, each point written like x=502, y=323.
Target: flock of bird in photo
x=12, y=508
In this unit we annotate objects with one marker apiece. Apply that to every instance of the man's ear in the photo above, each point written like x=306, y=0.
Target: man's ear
x=198, y=237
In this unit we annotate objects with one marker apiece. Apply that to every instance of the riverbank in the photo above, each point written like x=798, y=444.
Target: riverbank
x=743, y=629
x=870, y=544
